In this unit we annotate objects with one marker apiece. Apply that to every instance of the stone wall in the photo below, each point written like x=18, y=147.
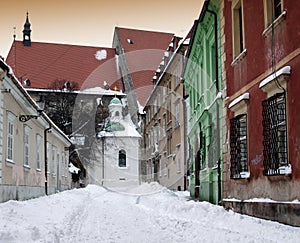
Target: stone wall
x=286, y=213
x=8, y=192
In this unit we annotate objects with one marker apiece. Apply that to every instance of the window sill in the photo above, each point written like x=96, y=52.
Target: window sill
x=26, y=167
x=274, y=24
x=239, y=58
x=38, y=170
x=123, y=168
x=241, y=175
x=10, y=162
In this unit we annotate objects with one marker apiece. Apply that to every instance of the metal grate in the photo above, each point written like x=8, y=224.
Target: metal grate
x=238, y=146
x=275, y=134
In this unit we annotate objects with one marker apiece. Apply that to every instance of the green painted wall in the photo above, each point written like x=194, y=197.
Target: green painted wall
x=206, y=108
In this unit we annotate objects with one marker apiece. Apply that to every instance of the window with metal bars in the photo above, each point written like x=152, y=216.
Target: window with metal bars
x=275, y=134
x=238, y=147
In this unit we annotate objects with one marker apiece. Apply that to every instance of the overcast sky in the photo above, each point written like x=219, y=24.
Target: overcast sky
x=92, y=22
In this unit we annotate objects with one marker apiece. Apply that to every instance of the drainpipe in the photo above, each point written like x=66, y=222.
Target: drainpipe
x=102, y=138
x=46, y=160
x=217, y=105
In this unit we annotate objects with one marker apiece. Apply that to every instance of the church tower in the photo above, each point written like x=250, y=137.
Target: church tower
x=27, y=32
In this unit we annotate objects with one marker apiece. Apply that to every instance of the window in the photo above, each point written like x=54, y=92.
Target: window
x=57, y=163
x=48, y=157
x=165, y=164
x=164, y=125
x=273, y=9
x=26, y=144
x=38, y=151
x=237, y=28
x=155, y=107
x=155, y=133
x=275, y=135
x=10, y=136
x=169, y=144
x=122, y=158
x=63, y=163
x=177, y=113
x=53, y=160
x=238, y=147
x=178, y=159
x=177, y=76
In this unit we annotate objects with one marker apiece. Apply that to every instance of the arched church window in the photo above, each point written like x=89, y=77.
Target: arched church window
x=117, y=113
x=122, y=158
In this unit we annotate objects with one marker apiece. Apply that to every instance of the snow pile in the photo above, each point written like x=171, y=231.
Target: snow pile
x=151, y=213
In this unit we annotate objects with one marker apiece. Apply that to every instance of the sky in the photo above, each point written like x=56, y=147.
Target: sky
x=147, y=213
x=92, y=22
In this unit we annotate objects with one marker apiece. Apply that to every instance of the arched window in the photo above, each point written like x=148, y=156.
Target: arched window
x=122, y=158
x=117, y=114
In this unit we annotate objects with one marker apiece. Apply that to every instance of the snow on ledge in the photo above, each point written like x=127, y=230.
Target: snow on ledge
x=239, y=99
x=262, y=200
x=284, y=70
x=245, y=174
x=284, y=170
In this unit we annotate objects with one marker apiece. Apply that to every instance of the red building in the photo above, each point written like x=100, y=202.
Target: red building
x=261, y=53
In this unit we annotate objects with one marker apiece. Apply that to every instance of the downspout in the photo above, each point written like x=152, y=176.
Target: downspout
x=217, y=105
x=46, y=160
x=102, y=182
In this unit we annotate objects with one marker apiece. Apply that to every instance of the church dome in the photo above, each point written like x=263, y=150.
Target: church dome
x=115, y=101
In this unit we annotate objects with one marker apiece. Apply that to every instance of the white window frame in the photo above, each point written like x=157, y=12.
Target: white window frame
x=26, y=145
x=178, y=159
x=63, y=163
x=10, y=137
x=177, y=113
x=57, y=162
x=54, y=149
x=165, y=164
x=38, y=152
x=48, y=157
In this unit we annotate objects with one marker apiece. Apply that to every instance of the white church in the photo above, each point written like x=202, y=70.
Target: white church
x=115, y=153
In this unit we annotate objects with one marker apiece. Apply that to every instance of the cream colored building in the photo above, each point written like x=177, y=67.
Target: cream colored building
x=27, y=138
x=165, y=122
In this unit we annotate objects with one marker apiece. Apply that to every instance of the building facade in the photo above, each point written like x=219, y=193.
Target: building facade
x=164, y=125
x=34, y=151
x=202, y=81
x=262, y=66
x=115, y=152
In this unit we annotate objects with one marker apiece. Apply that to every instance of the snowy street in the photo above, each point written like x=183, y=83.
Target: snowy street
x=149, y=213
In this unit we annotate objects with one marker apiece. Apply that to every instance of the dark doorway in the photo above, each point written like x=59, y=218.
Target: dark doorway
x=197, y=178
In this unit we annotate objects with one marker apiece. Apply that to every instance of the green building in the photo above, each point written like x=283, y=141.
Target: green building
x=203, y=86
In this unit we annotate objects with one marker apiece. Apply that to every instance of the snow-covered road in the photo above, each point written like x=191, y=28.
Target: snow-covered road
x=149, y=213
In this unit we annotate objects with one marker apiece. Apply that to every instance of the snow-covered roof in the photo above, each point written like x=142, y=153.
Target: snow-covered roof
x=57, y=131
x=100, y=91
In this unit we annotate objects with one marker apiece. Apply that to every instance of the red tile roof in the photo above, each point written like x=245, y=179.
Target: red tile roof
x=144, y=51
x=42, y=63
